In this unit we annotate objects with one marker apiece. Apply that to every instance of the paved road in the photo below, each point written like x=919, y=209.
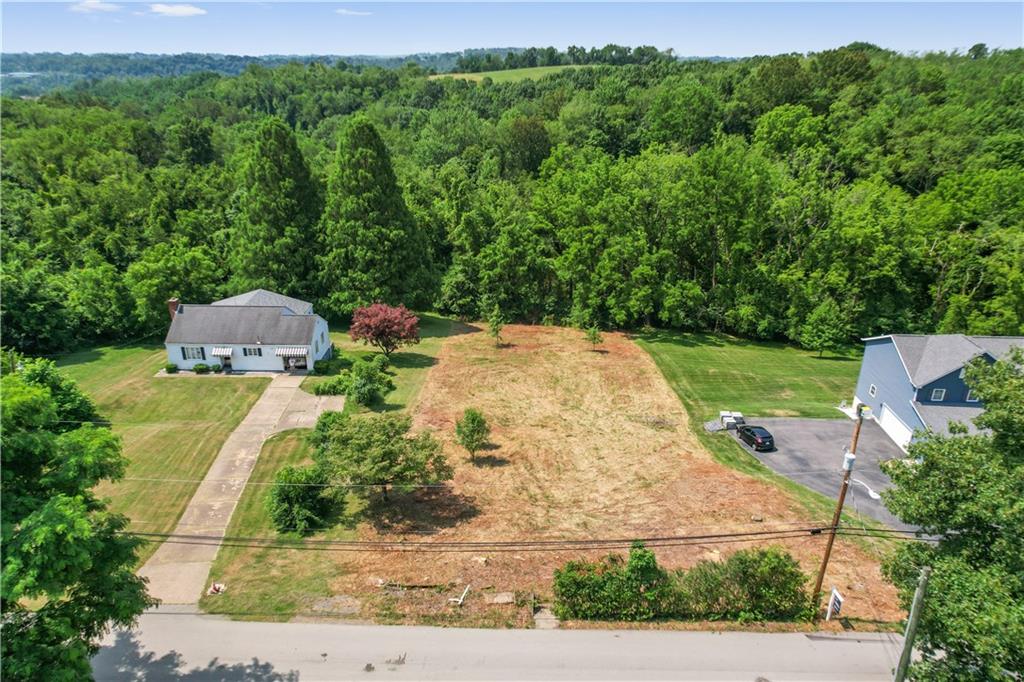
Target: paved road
x=178, y=572
x=810, y=451
x=188, y=647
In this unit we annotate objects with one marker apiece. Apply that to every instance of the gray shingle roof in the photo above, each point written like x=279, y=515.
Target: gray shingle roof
x=938, y=416
x=933, y=356
x=249, y=324
x=262, y=297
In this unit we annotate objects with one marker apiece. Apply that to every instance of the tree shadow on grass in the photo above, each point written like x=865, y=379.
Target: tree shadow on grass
x=435, y=327
x=836, y=358
x=421, y=511
x=492, y=461
x=125, y=661
x=402, y=360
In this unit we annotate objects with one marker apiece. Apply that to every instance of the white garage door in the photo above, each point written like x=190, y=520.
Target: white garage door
x=894, y=426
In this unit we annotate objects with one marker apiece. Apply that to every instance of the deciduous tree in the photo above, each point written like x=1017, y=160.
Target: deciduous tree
x=967, y=490
x=386, y=327
x=472, y=431
x=63, y=549
x=379, y=451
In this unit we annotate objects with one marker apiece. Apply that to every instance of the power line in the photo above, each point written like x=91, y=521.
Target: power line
x=472, y=546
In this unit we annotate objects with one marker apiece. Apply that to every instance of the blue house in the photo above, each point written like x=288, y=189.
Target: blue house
x=915, y=383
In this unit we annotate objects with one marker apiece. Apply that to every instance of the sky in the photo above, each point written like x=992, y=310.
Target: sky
x=729, y=29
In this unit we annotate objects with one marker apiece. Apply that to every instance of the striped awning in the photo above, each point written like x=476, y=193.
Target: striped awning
x=222, y=351
x=289, y=352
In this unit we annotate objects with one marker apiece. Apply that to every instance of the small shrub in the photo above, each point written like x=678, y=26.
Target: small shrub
x=299, y=500
x=594, y=337
x=215, y=368
x=612, y=589
x=171, y=368
x=201, y=368
x=751, y=585
x=381, y=362
x=367, y=383
x=334, y=386
x=321, y=367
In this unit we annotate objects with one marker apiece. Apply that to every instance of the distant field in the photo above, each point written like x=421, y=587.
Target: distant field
x=510, y=75
x=172, y=427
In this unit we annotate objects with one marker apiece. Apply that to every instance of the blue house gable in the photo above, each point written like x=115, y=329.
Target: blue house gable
x=884, y=382
x=915, y=383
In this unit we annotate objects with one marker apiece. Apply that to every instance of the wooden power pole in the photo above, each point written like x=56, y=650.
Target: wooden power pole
x=912, y=619
x=848, y=461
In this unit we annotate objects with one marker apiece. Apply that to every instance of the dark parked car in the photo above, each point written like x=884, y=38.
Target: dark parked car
x=756, y=437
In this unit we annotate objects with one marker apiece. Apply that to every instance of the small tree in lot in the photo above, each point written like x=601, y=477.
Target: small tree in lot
x=386, y=327
x=495, y=323
x=297, y=502
x=594, y=337
x=378, y=451
x=472, y=431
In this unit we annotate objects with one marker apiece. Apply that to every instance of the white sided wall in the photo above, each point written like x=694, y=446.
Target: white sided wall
x=317, y=349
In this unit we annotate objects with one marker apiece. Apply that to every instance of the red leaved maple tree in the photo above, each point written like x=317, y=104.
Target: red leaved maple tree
x=384, y=326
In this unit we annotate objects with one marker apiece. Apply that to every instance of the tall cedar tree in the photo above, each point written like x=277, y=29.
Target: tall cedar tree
x=372, y=250
x=62, y=548
x=278, y=208
x=386, y=327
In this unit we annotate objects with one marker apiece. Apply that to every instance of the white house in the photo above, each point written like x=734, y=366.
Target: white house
x=255, y=331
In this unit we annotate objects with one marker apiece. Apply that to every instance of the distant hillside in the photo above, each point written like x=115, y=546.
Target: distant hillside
x=36, y=73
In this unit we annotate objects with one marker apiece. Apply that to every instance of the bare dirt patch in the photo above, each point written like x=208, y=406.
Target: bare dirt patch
x=584, y=445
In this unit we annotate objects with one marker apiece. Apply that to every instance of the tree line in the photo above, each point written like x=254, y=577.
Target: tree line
x=856, y=189
x=473, y=62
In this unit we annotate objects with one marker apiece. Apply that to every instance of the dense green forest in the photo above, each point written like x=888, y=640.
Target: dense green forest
x=875, y=191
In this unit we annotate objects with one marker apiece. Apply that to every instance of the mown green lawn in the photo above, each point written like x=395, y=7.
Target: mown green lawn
x=172, y=427
x=713, y=372
x=265, y=583
x=409, y=365
x=511, y=75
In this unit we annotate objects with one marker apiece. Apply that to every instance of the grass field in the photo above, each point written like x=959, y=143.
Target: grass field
x=409, y=365
x=511, y=75
x=268, y=584
x=172, y=427
x=716, y=372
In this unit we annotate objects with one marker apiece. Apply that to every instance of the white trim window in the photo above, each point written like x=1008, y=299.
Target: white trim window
x=193, y=353
x=938, y=395
x=971, y=398
x=872, y=390
x=252, y=352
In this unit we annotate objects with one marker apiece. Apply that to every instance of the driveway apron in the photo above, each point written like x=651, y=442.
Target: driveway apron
x=178, y=572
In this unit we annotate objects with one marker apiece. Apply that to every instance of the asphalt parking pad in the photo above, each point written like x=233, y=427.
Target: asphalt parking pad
x=810, y=452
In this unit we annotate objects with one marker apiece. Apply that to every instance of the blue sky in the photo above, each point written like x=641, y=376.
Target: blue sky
x=701, y=29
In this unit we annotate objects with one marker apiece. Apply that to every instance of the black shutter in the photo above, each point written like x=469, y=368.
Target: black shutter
x=183, y=356
x=202, y=350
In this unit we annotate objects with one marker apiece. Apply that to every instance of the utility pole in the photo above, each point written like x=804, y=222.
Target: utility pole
x=848, y=461
x=911, y=631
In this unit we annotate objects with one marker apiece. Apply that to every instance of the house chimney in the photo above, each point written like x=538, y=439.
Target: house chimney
x=172, y=307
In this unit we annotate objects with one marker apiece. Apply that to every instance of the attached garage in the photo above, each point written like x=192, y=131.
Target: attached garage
x=894, y=426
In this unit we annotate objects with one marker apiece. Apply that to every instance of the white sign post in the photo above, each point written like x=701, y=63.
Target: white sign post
x=835, y=604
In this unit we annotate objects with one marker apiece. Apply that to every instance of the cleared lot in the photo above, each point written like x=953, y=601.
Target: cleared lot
x=810, y=452
x=584, y=445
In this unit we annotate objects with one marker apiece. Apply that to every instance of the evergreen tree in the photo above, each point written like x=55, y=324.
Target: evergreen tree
x=278, y=207
x=372, y=249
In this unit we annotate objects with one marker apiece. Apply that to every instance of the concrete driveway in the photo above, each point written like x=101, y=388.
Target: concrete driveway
x=177, y=571
x=810, y=452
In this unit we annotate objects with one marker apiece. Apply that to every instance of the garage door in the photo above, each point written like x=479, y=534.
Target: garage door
x=894, y=426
